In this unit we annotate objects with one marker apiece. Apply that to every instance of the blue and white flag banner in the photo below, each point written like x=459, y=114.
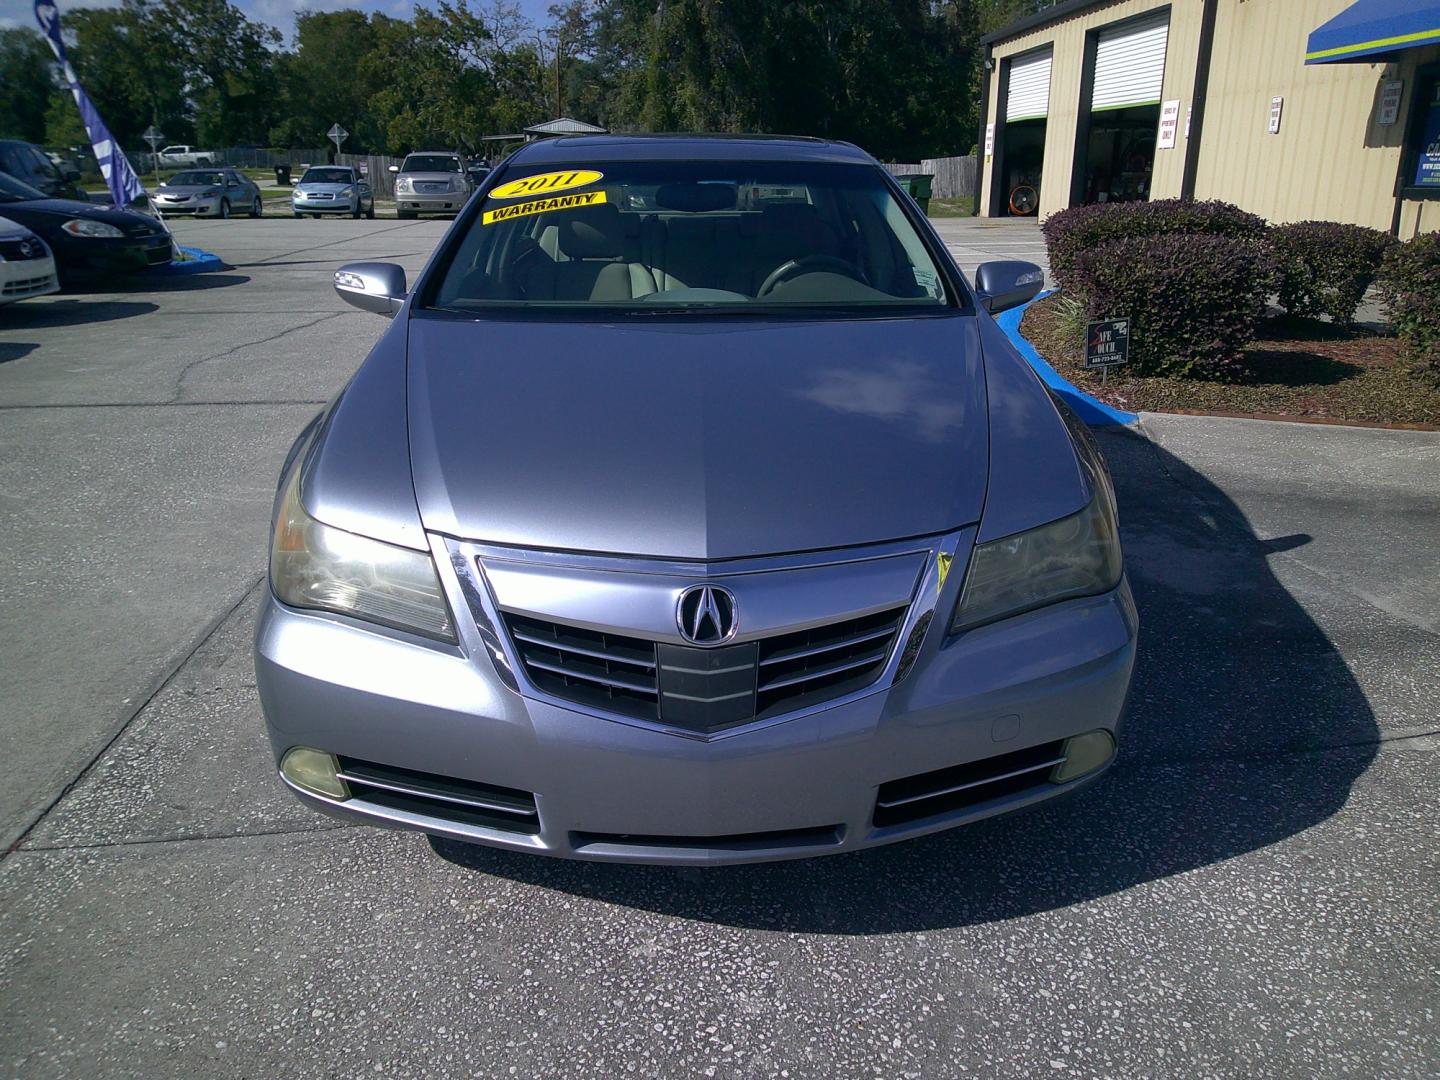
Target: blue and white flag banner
x=124, y=185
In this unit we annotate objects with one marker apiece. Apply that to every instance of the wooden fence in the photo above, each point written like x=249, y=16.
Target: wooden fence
x=955, y=177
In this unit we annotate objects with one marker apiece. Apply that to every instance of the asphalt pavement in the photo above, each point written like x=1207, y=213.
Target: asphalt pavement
x=1251, y=891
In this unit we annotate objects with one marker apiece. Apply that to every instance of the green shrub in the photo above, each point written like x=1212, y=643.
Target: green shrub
x=1409, y=284
x=1193, y=301
x=1070, y=233
x=1325, y=267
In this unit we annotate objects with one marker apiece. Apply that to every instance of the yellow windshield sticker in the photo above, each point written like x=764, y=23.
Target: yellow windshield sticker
x=546, y=183
x=543, y=206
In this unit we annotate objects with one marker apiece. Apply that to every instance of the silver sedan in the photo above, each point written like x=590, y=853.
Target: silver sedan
x=695, y=510
x=218, y=193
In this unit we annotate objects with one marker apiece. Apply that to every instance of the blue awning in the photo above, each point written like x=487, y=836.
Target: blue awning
x=1368, y=29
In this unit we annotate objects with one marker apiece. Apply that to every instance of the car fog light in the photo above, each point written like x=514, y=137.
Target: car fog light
x=1083, y=755
x=315, y=771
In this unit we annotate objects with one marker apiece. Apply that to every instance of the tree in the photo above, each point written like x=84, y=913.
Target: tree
x=27, y=84
x=325, y=80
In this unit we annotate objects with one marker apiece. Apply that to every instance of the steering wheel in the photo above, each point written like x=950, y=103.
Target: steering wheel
x=789, y=269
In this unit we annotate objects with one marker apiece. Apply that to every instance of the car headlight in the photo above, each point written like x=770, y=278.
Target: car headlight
x=1078, y=555
x=316, y=566
x=96, y=230
x=345, y=192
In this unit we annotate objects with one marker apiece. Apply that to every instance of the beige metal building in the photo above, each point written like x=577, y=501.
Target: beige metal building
x=1292, y=109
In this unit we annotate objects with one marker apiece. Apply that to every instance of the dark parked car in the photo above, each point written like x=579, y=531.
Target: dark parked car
x=86, y=237
x=29, y=164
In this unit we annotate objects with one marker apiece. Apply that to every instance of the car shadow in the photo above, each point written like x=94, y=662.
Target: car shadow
x=162, y=283
x=71, y=312
x=1245, y=727
x=16, y=350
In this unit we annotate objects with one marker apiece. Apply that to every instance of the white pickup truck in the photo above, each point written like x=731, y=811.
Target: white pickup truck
x=183, y=156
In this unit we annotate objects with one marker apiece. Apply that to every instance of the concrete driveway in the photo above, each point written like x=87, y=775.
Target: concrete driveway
x=1250, y=892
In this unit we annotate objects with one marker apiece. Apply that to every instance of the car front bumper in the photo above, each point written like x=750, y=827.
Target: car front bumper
x=422, y=202
x=125, y=255
x=980, y=707
x=192, y=208
x=21, y=278
x=323, y=206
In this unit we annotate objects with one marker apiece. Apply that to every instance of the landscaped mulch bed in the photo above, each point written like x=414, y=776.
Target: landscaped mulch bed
x=1297, y=368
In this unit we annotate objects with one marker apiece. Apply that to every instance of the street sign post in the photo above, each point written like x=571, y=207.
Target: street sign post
x=337, y=135
x=154, y=137
x=1107, y=343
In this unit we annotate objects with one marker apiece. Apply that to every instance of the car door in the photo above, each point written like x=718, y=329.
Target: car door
x=235, y=191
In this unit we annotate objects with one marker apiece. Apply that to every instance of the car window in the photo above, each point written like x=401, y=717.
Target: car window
x=431, y=163
x=702, y=236
x=13, y=190
x=197, y=178
x=40, y=165
x=328, y=176
x=10, y=160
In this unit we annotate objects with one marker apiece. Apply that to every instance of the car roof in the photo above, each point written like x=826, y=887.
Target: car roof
x=433, y=153
x=570, y=149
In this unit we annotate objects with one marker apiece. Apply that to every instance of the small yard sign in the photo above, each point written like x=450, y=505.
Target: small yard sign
x=1107, y=343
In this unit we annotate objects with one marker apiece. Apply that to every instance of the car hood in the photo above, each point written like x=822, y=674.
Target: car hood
x=188, y=189
x=309, y=189
x=13, y=230
x=46, y=216
x=709, y=439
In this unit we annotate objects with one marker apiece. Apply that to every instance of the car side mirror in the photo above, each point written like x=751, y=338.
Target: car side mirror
x=372, y=286
x=394, y=168
x=1007, y=283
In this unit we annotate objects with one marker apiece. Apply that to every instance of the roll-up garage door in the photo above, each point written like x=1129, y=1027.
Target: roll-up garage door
x=1029, y=95
x=1130, y=63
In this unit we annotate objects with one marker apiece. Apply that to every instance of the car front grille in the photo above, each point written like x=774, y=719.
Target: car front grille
x=705, y=690
x=465, y=802
x=962, y=787
x=21, y=250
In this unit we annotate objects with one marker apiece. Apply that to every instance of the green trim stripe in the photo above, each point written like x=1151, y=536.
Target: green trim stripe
x=1032, y=116
x=1126, y=105
x=1416, y=38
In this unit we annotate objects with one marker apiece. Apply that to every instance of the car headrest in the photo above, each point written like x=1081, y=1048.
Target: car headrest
x=591, y=232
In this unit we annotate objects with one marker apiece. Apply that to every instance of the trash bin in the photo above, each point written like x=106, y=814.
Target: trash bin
x=917, y=186
x=282, y=175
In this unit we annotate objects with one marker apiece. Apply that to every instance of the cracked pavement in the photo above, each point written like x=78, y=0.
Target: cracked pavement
x=1249, y=892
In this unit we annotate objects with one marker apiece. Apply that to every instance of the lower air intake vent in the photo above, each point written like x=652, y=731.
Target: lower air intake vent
x=944, y=791
x=464, y=802
x=783, y=840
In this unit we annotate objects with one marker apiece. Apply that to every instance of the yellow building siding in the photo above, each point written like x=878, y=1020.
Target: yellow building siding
x=1331, y=159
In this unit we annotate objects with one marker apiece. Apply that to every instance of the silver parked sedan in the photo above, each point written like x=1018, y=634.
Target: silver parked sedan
x=431, y=182
x=693, y=509
x=333, y=189
x=209, y=193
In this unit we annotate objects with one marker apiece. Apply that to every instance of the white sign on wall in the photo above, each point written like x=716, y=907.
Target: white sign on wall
x=989, y=141
x=1169, y=122
x=1390, y=95
x=1276, y=105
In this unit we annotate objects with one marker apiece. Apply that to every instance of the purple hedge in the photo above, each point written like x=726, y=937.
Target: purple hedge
x=1325, y=267
x=1193, y=301
x=1073, y=232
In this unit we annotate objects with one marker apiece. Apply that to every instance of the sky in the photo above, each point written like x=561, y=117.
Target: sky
x=278, y=13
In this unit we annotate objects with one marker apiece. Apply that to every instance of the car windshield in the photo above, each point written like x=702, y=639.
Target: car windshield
x=725, y=237
x=195, y=179
x=431, y=163
x=327, y=176
x=13, y=191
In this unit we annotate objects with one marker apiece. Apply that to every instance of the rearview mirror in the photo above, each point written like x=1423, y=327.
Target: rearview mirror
x=1007, y=283
x=372, y=286
x=394, y=168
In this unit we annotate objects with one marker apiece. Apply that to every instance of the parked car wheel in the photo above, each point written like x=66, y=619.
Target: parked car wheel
x=405, y=215
x=224, y=208
x=298, y=214
x=258, y=209
x=370, y=214
x=356, y=212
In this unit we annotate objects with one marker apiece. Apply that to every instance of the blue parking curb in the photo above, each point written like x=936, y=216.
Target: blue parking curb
x=1092, y=410
x=199, y=262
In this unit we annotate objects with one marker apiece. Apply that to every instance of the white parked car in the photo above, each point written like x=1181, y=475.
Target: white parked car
x=27, y=268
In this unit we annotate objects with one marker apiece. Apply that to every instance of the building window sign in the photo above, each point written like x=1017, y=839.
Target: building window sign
x=1277, y=105
x=1390, y=95
x=1169, y=123
x=989, y=141
x=1427, y=163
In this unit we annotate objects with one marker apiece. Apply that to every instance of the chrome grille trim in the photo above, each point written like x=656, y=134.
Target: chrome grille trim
x=466, y=572
x=813, y=674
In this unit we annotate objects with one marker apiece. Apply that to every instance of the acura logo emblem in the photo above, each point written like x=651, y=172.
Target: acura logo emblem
x=706, y=615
